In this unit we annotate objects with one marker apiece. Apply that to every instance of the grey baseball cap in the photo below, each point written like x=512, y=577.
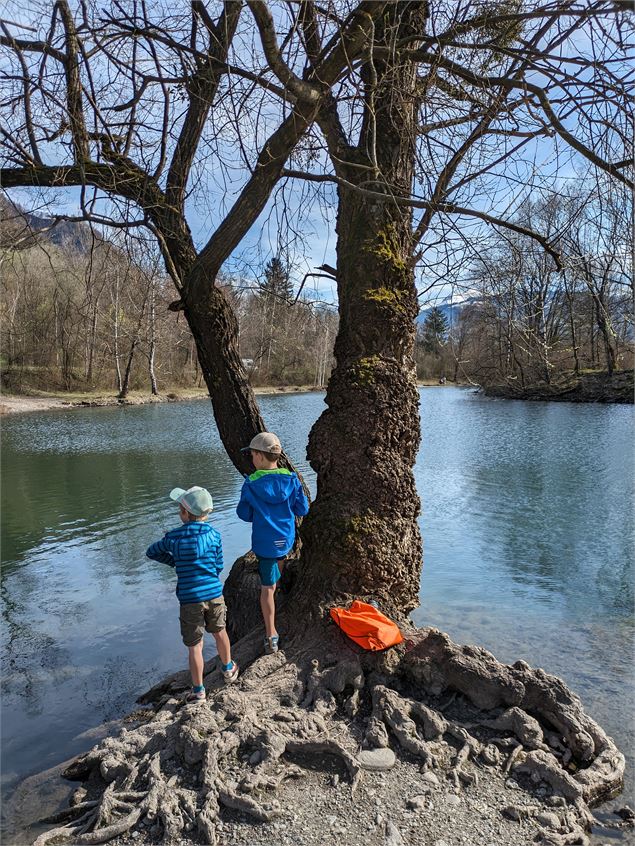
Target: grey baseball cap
x=196, y=500
x=265, y=442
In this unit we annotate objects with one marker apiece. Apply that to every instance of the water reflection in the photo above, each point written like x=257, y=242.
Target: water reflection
x=528, y=535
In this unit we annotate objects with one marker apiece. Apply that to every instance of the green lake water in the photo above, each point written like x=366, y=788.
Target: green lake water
x=528, y=533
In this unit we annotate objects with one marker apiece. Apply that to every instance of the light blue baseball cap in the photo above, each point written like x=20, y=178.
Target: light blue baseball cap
x=196, y=500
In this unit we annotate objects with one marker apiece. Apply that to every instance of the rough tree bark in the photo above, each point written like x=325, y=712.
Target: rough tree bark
x=364, y=446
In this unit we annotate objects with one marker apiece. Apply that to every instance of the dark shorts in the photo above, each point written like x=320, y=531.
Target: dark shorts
x=269, y=571
x=199, y=617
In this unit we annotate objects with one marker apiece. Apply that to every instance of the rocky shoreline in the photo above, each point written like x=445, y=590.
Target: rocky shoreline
x=21, y=404
x=587, y=387
x=397, y=805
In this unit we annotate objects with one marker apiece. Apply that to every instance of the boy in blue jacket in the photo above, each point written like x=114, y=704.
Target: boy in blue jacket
x=270, y=499
x=194, y=550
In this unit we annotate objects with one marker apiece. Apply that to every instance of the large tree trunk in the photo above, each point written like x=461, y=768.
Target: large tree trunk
x=361, y=537
x=215, y=330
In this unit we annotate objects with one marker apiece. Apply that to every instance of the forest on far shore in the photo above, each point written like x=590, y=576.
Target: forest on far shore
x=83, y=310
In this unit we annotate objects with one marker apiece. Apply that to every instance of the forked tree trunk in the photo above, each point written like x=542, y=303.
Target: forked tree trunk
x=361, y=536
x=606, y=330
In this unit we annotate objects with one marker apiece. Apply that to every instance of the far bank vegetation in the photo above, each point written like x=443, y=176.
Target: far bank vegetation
x=81, y=311
x=523, y=320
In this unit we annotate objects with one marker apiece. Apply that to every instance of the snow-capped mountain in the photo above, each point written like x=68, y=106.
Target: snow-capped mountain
x=452, y=306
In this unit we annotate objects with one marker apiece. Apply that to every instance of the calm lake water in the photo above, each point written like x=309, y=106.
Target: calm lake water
x=528, y=535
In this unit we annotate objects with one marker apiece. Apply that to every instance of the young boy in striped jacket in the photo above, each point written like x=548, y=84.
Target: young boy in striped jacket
x=194, y=550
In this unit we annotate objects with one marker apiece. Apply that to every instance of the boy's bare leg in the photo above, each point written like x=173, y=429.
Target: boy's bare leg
x=268, y=608
x=223, y=646
x=196, y=663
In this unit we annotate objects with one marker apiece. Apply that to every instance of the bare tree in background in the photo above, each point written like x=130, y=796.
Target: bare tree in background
x=545, y=321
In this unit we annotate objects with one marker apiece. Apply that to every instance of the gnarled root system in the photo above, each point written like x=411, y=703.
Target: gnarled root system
x=455, y=710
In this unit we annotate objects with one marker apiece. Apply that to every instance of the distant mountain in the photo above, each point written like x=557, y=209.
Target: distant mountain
x=452, y=306
x=76, y=236
x=66, y=234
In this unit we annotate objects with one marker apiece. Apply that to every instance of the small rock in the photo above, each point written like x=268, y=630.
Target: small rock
x=440, y=843
x=452, y=799
x=378, y=818
x=393, y=835
x=77, y=796
x=254, y=758
x=512, y=785
x=376, y=760
x=136, y=834
x=416, y=803
x=335, y=780
x=331, y=819
x=548, y=819
x=430, y=778
x=626, y=813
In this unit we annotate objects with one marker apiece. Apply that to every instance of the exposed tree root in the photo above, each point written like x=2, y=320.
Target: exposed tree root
x=530, y=697
x=317, y=701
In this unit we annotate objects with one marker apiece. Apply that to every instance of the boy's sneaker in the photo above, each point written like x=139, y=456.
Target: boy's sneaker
x=271, y=644
x=196, y=696
x=231, y=674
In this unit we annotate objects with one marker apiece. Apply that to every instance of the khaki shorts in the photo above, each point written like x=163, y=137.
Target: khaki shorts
x=198, y=617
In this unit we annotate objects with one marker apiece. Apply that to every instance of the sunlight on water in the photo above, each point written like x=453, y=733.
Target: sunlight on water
x=528, y=542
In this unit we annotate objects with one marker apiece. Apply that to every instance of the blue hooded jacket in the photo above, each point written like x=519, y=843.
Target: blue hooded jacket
x=271, y=500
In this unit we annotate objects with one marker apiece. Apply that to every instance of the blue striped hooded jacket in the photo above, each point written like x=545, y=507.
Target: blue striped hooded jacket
x=194, y=550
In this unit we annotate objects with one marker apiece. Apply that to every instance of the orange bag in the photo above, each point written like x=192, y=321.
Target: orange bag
x=367, y=626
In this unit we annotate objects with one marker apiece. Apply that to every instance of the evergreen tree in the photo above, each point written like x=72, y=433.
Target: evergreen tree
x=435, y=331
x=276, y=285
x=275, y=295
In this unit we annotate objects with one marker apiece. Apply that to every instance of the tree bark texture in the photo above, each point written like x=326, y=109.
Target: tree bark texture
x=361, y=536
x=215, y=330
